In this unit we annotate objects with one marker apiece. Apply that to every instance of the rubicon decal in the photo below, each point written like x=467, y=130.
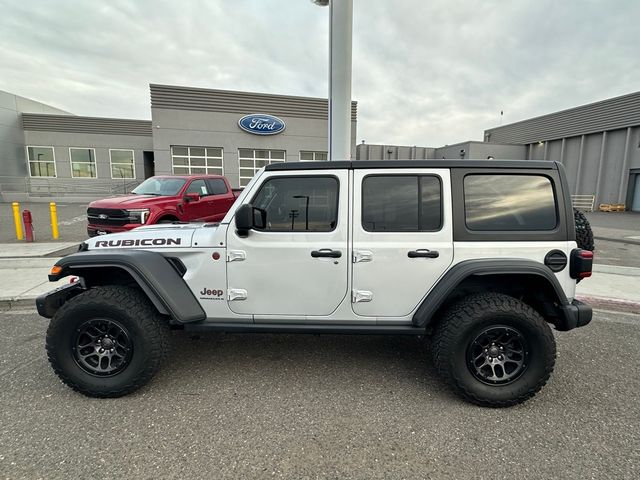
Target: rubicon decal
x=139, y=242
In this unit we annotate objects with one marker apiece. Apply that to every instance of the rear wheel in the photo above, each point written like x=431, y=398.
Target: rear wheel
x=494, y=350
x=107, y=342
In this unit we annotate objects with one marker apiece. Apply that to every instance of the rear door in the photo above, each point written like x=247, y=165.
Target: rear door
x=219, y=200
x=402, y=239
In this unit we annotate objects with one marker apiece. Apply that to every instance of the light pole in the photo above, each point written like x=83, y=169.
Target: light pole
x=340, y=43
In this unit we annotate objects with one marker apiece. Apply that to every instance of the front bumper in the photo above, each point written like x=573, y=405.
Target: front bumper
x=94, y=230
x=575, y=314
x=49, y=303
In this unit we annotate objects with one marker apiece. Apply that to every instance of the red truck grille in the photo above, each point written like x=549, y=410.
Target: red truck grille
x=107, y=216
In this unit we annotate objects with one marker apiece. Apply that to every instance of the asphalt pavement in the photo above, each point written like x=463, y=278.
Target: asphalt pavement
x=304, y=406
x=72, y=221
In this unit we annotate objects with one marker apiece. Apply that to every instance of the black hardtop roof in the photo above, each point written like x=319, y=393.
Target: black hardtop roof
x=366, y=164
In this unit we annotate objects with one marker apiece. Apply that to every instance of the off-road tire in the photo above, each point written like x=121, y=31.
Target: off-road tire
x=465, y=321
x=147, y=330
x=584, y=234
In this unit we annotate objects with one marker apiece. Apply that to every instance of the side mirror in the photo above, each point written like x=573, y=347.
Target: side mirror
x=248, y=218
x=191, y=197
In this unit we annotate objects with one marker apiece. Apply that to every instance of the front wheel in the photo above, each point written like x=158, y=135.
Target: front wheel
x=107, y=342
x=494, y=350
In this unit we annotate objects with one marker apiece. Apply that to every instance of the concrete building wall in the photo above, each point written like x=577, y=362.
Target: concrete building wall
x=393, y=152
x=220, y=130
x=12, y=152
x=599, y=145
x=197, y=117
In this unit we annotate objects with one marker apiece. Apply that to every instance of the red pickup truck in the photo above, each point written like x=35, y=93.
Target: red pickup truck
x=163, y=199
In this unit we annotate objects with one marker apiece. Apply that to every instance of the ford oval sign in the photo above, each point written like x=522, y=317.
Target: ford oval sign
x=261, y=124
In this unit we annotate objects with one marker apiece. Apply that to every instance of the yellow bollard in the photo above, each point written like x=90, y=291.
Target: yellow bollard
x=54, y=220
x=17, y=220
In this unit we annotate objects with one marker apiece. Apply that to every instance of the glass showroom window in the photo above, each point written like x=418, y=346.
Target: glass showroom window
x=122, y=163
x=307, y=156
x=197, y=160
x=253, y=160
x=42, y=162
x=83, y=162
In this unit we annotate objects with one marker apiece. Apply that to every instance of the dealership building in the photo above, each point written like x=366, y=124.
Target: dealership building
x=46, y=152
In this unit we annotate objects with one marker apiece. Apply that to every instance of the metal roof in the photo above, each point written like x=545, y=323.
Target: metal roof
x=372, y=164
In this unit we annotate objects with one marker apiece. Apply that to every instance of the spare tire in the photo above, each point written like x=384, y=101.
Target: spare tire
x=584, y=234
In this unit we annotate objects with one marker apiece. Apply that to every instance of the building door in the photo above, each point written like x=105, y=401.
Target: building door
x=297, y=265
x=402, y=238
x=149, y=164
x=635, y=202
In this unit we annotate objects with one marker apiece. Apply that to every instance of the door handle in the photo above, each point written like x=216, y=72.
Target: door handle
x=423, y=253
x=326, y=252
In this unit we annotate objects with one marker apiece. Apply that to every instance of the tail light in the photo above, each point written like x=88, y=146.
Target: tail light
x=581, y=263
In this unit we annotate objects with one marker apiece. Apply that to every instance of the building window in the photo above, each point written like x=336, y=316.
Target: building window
x=83, y=162
x=122, y=163
x=42, y=161
x=251, y=161
x=307, y=156
x=197, y=160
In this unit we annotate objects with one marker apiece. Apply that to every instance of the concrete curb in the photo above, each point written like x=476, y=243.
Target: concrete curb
x=10, y=304
x=616, y=270
x=614, y=304
x=617, y=240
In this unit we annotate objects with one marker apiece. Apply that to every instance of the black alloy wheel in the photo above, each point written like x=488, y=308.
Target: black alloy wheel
x=102, y=347
x=498, y=355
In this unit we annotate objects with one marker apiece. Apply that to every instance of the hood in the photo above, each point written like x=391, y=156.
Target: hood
x=127, y=201
x=151, y=237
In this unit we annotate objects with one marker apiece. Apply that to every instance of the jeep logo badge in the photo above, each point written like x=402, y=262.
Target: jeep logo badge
x=261, y=124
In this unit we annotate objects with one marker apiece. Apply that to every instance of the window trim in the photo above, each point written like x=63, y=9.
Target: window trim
x=133, y=155
x=71, y=162
x=418, y=176
x=255, y=170
x=189, y=157
x=53, y=150
x=553, y=191
x=278, y=177
x=313, y=152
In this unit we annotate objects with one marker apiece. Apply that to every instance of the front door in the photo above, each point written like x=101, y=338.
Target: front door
x=297, y=265
x=197, y=209
x=402, y=239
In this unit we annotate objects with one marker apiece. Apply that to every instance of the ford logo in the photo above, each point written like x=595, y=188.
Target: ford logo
x=102, y=216
x=261, y=124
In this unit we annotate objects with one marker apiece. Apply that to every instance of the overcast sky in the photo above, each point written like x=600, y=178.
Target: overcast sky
x=425, y=72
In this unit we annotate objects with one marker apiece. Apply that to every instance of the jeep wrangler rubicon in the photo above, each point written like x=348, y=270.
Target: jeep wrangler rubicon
x=480, y=256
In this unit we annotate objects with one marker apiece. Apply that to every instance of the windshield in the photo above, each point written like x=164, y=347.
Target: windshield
x=160, y=186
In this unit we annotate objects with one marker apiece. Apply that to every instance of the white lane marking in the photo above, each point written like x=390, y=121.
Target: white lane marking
x=73, y=220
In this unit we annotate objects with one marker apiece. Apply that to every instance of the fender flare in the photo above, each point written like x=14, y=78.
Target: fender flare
x=157, y=278
x=486, y=266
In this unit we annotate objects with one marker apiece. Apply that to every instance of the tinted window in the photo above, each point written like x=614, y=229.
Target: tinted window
x=199, y=187
x=401, y=203
x=509, y=202
x=299, y=203
x=216, y=186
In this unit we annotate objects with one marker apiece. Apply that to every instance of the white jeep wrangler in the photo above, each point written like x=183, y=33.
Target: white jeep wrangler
x=479, y=256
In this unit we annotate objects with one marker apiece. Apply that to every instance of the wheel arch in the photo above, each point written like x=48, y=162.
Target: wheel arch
x=153, y=273
x=526, y=280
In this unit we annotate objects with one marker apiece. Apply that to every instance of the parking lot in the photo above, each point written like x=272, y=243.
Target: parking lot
x=266, y=406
